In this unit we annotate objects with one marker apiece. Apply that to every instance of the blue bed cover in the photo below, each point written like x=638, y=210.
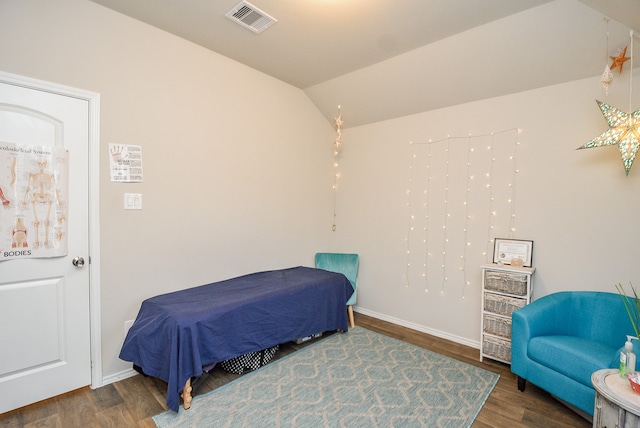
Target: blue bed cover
x=176, y=334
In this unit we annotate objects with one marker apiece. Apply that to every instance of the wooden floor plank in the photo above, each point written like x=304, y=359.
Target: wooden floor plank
x=12, y=419
x=116, y=417
x=146, y=423
x=41, y=410
x=137, y=398
x=133, y=401
x=105, y=397
x=77, y=410
x=51, y=421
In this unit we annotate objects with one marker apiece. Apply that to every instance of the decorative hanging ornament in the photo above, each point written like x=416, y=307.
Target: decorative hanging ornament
x=624, y=132
x=618, y=61
x=606, y=79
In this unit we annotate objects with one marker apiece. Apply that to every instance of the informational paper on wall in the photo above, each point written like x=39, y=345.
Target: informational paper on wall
x=125, y=163
x=34, y=184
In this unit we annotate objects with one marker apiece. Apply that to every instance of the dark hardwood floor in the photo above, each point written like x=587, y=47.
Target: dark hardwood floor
x=132, y=402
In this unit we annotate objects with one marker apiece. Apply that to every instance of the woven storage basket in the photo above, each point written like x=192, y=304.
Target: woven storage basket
x=506, y=282
x=498, y=348
x=499, y=326
x=503, y=305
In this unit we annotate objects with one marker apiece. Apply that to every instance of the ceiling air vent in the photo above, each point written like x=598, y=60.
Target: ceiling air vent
x=249, y=16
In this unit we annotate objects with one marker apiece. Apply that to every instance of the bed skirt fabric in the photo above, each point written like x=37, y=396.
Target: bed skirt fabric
x=176, y=334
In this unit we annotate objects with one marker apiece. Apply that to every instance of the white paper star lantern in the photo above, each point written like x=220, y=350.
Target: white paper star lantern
x=624, y=132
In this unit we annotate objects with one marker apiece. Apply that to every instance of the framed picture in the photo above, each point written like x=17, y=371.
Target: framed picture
x=506, y=250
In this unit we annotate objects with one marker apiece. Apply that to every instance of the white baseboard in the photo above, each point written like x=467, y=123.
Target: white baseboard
x=461, y=340
x=118, y=376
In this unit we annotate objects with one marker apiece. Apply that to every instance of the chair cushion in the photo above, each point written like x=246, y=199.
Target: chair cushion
x=575, y=357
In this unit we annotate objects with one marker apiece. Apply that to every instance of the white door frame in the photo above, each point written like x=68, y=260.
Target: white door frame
x=93, y=100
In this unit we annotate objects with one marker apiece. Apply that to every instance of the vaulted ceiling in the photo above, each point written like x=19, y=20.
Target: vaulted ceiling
x=381, y=59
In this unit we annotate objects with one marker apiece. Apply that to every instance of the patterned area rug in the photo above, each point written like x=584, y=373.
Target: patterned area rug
x=354, y=379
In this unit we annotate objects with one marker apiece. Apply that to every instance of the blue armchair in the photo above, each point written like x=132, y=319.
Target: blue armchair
x=559, y=340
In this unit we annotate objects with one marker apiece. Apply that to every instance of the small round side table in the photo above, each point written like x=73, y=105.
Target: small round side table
x=616, y=405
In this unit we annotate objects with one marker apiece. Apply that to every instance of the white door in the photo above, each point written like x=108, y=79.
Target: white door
x=44, y=302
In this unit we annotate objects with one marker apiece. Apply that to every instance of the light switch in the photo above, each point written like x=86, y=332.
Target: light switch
x=133, y=201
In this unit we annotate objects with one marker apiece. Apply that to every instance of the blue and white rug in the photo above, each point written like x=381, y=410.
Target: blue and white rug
x=355, y=379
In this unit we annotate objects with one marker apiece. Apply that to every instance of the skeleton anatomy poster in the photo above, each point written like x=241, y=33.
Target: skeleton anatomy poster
x=34, y=184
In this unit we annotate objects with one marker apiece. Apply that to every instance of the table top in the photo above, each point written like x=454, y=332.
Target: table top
x=616, y=389
x=508, y=268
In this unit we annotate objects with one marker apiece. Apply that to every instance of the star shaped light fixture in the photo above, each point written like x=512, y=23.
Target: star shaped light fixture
x=624, y=132
x=618, y=61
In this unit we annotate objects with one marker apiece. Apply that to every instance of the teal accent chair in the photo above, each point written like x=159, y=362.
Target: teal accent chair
x=559, y=340
x=346, y=264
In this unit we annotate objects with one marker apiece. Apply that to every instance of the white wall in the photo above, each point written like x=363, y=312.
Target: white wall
x=237, y=165
x=577, y=206
x=238, y=176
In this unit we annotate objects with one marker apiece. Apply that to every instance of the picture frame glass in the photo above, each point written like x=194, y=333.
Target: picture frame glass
x=513, y=252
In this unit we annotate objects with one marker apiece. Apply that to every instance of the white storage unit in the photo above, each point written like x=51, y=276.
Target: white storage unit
x=504, y=290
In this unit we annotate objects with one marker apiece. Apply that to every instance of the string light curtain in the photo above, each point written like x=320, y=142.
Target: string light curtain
x=461, y=195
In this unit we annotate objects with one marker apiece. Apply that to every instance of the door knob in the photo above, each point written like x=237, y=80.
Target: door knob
x=78, y=261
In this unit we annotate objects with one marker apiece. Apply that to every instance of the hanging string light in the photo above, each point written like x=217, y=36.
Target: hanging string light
x=426, y=221
x=512, y=185
x=411, y=219
x=458, y=228
x=446, y=219
x=467, y=218
x=492, y=213
x=337, y=147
